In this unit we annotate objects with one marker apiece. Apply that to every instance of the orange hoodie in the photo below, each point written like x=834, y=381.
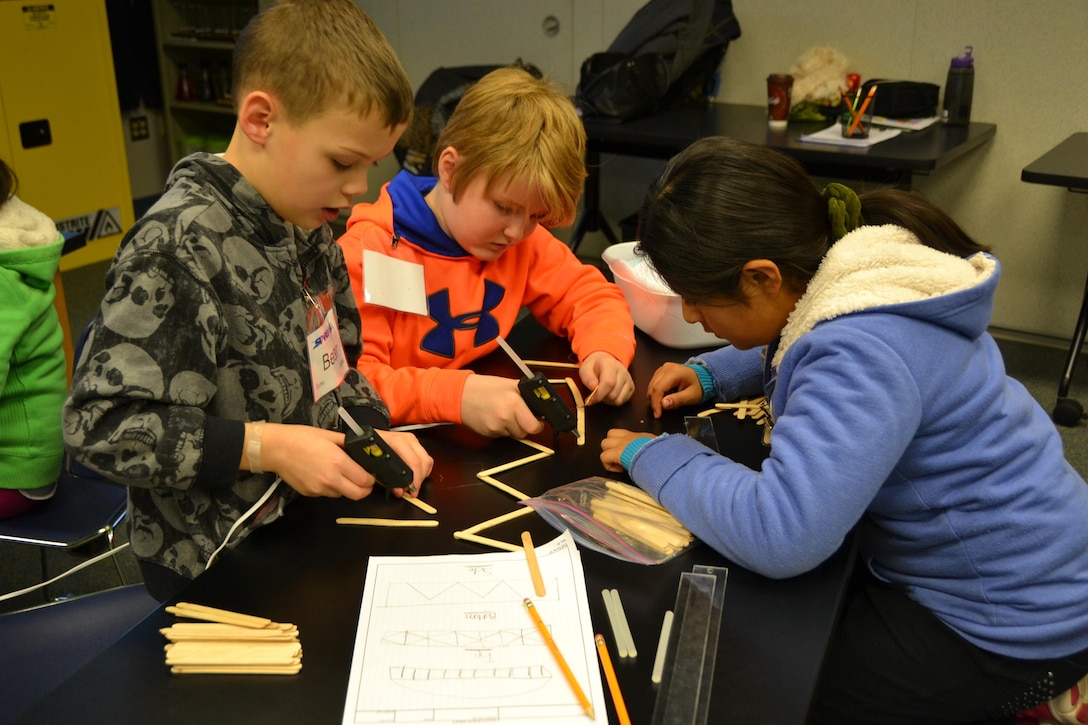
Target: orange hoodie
x=416, y=362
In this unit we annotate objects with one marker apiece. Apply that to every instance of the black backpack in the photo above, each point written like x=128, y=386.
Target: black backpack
x=434, y=102
x=667, y=56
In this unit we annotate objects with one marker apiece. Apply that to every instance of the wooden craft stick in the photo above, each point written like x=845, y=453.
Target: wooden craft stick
x=498, y=520
x=613, y=684
x=632, y=492
x=421, y=505
x=476, y=539
x=211, y=614
x=214, y=630
x=538, y=446
x=514, y=464
x=589, y=398
x=628, y=639
x=502, y=486
x=417, y=426
x=580, y=408
x=613, y=621
x=237, y=670
x=662, y=648
x=232, y=653
x=534, y=565
x=408, y=523
x=548, y=364
x=575, y=393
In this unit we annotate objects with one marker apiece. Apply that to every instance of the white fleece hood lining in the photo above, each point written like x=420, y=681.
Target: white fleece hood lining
x=875, y=266
x=24, y=227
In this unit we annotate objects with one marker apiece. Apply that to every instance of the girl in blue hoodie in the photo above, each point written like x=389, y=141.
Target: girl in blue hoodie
x=864, y=322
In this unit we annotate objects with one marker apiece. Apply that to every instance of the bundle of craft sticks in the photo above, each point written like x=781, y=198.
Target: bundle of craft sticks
x=229, y=643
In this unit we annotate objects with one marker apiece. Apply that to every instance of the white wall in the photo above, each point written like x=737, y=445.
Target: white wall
x=1031, y=71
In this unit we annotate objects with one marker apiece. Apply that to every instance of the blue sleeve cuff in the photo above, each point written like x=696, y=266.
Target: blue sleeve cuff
x=632, y=448
x=706, y=382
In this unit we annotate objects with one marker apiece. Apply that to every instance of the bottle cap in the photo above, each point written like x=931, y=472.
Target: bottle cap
x=965, y=60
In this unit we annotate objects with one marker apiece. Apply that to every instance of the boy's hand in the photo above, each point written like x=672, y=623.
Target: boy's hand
x=673, y=386
x=608, y=377
x=313, y=462
x=493, y=406
x=614, y=443
x=411, y=451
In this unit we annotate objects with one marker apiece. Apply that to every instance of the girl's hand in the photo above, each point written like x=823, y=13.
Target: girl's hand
x=673, y=386
x=608, y=378
x=492, y=406
x=613, y=444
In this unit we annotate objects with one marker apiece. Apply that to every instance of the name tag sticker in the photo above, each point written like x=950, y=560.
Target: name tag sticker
x=393, y=283
x=328, y=363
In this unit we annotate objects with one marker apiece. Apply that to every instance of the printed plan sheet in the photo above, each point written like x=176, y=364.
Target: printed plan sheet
x=447, y=639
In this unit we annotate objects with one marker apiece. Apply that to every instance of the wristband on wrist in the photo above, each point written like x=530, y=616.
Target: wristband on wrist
x=706, y=381
x=253, y=446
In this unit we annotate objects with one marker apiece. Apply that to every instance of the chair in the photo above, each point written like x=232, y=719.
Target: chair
x=82, y=511
x=45, y=645
x=85, y=507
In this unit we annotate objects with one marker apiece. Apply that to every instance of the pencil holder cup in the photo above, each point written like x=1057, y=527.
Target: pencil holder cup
x=856, y=117
x=856, y=122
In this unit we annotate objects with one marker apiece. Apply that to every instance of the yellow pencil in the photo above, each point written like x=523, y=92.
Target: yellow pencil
x=559, y=660
x=613, y=685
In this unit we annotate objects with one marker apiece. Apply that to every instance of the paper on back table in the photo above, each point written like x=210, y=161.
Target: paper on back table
x=447, y=639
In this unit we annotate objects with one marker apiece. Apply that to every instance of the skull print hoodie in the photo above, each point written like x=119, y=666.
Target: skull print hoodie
x=203, y=327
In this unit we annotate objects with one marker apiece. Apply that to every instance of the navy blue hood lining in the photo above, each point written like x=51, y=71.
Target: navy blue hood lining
x=414, y=220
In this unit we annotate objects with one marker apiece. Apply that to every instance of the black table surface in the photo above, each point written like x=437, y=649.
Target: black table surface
x=670, y=130
x=307, y=570
x=1064, y=165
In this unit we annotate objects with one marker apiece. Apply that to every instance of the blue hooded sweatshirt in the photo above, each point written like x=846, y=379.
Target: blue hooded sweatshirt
x=893, y=413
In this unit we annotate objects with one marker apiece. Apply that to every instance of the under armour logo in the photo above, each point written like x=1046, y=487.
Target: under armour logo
x=439, y=341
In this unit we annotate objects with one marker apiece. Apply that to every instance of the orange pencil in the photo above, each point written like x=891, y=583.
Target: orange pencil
x=613, y=685
x=861, y=111
x=559, y=659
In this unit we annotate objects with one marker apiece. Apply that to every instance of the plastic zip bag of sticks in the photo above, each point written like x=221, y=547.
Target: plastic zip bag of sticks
x=614, y=518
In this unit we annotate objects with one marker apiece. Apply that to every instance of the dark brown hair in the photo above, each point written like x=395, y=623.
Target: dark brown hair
x=721, y=203
x=8, y=182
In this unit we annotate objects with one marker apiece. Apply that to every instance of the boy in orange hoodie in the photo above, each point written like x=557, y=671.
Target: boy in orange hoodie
x=473, y=243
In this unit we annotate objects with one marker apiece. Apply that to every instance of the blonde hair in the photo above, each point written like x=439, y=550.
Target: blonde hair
x=511, y=124
x=313, y=55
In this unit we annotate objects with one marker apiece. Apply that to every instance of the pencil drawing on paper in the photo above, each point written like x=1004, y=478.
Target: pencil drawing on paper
x=446, y=640
x=472, y=682
x=408, y=594
x=467, y=639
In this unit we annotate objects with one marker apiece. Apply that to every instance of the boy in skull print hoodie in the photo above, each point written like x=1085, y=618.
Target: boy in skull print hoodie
x=212, y=376
x=202, y=325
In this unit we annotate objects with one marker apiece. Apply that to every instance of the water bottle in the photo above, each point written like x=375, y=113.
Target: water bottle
x=958, y=90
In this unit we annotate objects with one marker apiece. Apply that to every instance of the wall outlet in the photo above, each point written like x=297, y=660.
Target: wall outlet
x=138, y=128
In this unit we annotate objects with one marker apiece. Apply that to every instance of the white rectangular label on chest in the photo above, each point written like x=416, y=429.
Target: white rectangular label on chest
x=393, y=283
x=328, y=363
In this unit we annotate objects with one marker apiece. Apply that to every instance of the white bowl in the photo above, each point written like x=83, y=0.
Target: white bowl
x=656, y=310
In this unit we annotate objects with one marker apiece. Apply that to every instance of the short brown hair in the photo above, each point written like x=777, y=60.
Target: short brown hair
x=314, y=54
x=512, y=123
